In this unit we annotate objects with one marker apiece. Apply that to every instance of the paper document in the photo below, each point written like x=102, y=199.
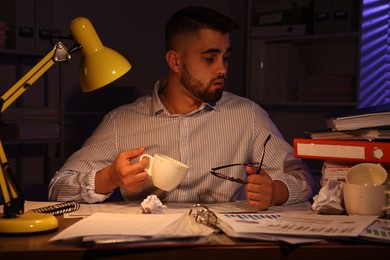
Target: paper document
x=296, y=224
x=242, y=206
x=86, y=210
x=110, y=228
x=378, y=231
x=104, y=224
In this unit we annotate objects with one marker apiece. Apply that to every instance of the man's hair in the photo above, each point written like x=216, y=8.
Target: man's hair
x=191, y=20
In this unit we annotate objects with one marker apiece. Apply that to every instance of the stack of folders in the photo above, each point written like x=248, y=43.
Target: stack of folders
x=289, y=17
x=360, y=135
x=369, y=117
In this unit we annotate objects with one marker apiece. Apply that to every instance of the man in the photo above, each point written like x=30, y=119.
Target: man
x=190, y=118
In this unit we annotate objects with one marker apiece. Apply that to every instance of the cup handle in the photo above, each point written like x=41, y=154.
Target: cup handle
x=151, y=158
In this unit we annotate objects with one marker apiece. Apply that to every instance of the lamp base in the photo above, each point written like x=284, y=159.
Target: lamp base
x=27, y=223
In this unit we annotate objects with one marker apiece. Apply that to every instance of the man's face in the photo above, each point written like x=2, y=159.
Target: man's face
x=204, y=65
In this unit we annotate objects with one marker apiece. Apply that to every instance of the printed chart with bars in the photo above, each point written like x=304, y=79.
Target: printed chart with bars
x=297, y=224
x=251, y=218
x=379, y=230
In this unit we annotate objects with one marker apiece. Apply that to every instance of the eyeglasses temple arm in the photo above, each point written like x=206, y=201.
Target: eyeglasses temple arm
x=262, y=157
x=225, y=166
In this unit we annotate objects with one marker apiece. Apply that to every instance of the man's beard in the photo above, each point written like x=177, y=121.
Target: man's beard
x=197, y=89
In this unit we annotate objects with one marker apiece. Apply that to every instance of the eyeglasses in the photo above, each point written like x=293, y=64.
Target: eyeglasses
x=204, y=215
x=250, y=164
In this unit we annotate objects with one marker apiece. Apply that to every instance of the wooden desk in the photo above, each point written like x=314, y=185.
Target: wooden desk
x=37, y=247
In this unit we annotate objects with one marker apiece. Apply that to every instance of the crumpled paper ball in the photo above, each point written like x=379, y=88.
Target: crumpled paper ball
x=330, y=198
x=152, y=205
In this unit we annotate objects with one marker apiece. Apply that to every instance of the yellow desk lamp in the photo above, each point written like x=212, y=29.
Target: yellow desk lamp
x=99, y=66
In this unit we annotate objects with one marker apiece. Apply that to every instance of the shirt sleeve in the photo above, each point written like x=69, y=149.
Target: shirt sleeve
x=279, y=161
x=70, y=186
x=76, y=178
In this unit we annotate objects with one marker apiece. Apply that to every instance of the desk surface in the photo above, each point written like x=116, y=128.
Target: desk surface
x=38, y=247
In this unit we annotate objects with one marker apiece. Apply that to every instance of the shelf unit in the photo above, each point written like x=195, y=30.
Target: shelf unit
x=285, y=65
x=277, y=65
x=32, y=159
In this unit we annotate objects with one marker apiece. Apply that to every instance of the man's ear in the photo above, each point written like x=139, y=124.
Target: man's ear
x=173, y=60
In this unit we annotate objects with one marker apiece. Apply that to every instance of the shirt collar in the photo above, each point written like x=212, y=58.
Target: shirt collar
x=158, y=107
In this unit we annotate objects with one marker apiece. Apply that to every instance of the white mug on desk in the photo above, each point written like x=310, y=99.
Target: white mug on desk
x=366, y=200
x=365, y=191
x=166, y=172
x=368, y=174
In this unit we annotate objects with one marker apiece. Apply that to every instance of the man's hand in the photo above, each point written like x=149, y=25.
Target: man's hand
x=262, y=192
x=258, y=189
x=131, y=177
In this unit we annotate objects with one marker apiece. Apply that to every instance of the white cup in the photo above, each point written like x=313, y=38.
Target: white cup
x=365, y=200
x=368, y=174
x=167, y=173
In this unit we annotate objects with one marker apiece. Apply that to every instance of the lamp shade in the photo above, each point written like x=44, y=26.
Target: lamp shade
x=100, y=65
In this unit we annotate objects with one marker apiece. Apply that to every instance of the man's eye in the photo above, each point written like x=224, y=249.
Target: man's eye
x=209, y=59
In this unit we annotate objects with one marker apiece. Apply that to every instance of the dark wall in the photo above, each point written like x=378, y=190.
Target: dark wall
x=136, y=30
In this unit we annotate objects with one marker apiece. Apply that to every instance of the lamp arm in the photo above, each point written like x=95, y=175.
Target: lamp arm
x=57, y=54
x=7, y=190
x=10, y=190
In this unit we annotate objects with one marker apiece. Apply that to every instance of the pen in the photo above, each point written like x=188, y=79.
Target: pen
x=262, y=157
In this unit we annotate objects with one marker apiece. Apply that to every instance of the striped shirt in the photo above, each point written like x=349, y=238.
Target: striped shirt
x=231, y=131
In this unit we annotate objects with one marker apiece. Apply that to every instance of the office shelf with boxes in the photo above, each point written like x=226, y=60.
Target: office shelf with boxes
x=301, y=54
x=30, y=129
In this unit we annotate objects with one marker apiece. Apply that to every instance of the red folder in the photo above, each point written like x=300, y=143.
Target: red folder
x=342, y=150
